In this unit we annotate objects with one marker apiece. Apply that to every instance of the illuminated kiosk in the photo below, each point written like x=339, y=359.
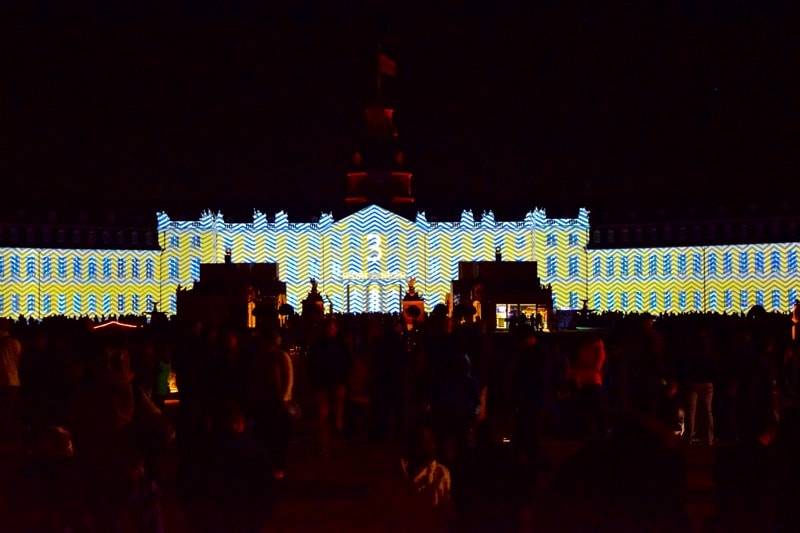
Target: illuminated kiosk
x=504, y=293
x=232, y=294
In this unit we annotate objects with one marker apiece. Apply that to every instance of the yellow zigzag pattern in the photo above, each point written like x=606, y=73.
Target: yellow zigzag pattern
x=363, y=263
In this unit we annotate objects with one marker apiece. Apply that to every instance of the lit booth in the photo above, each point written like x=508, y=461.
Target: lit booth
x=503, y=294
x=232, y=294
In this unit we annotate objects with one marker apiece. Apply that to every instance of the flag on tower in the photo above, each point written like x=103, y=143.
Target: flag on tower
x=386, y=65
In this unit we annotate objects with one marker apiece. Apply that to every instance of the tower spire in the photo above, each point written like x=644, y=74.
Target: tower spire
x=378, y=72
x=378, y=173
x=386, y=67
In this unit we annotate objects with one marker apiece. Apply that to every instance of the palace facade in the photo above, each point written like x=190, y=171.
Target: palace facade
x=362, y=262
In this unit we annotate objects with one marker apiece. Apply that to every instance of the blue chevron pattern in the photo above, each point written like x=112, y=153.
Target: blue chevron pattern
x=376, y=250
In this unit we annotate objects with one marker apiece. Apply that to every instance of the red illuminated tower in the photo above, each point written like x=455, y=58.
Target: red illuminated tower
x=378, y=173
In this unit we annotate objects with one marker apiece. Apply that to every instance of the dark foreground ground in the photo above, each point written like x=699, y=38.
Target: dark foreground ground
x=360, y=488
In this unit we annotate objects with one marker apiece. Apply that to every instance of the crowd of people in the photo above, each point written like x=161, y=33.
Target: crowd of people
x=87, y=408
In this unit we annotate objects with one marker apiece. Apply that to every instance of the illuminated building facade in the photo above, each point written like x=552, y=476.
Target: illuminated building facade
x=363, y=262
x=82, y=265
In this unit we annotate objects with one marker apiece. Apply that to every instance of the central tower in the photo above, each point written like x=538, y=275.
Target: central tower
x=378, y=173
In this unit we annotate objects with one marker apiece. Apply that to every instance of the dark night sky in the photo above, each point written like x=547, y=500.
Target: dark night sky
x=208, y=105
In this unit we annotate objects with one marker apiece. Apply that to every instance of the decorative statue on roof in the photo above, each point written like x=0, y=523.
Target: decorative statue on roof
x=412, y=294
x=313, y=305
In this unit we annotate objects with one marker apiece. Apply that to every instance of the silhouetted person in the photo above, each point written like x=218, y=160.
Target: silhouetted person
x=745, y=476
x=701, y=373
x=787, y=444
x=387, y=353
x=329, y=366
x=233, y=478
x=271, y=385
x=231, y=370
x=632, y=480
x=528, y=374
x=585, y=408
x=10, y=355
x=454, y=411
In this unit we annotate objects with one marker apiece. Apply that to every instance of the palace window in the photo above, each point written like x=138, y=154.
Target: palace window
x=776, y=299
x=697, y=264
x=91, y=268
x=149, y=268
x=551, y=265
x=573, y=266
x=30, y=267
x=776, y=262
x=135, y=268
x=77, y=270
x=712, y=264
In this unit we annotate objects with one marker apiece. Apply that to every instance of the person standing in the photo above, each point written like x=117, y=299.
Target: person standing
x=329, y=365
x=10, y=354
x=272, y=381
x=701, y=373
